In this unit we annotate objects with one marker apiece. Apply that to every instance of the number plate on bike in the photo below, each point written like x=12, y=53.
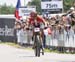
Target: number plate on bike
x=36, y=29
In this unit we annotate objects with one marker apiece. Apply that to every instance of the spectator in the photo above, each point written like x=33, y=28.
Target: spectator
x=18, y=28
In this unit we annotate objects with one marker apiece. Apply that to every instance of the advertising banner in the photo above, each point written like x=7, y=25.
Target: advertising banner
x=25, y=11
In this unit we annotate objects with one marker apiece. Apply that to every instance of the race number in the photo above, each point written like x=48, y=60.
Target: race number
x=36, y=29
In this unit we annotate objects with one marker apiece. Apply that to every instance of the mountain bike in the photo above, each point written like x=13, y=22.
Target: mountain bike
x=37, y=42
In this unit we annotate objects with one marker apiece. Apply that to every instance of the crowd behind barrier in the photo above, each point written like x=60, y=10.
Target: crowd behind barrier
x=61, y=32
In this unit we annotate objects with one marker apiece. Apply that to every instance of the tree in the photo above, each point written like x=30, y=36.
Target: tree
x=68, y=4
x=36, y=3
x=4, y=9
x=11, y=9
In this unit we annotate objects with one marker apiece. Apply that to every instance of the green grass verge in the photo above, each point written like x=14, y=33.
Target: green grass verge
x=15, y=45
x=11, y=44
x=30, y=48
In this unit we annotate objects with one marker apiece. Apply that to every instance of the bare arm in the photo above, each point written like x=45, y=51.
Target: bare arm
x=43, y=20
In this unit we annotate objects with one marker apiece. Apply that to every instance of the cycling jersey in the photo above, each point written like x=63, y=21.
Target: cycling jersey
x=37, y=25
x=38, y=19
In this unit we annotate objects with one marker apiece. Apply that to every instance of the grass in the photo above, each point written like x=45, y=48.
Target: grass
x=30, y=48
x=11, y=44
x=18, y=46
x=15, y=45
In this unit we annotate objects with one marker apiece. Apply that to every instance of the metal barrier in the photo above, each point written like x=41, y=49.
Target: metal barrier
x=24, y=37
x=64, y=39
x=57, y=39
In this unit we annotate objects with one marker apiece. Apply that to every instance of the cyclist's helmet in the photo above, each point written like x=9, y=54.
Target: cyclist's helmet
x=33, y=14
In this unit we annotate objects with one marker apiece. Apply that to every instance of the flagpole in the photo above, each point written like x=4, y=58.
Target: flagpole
x=24, y=2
